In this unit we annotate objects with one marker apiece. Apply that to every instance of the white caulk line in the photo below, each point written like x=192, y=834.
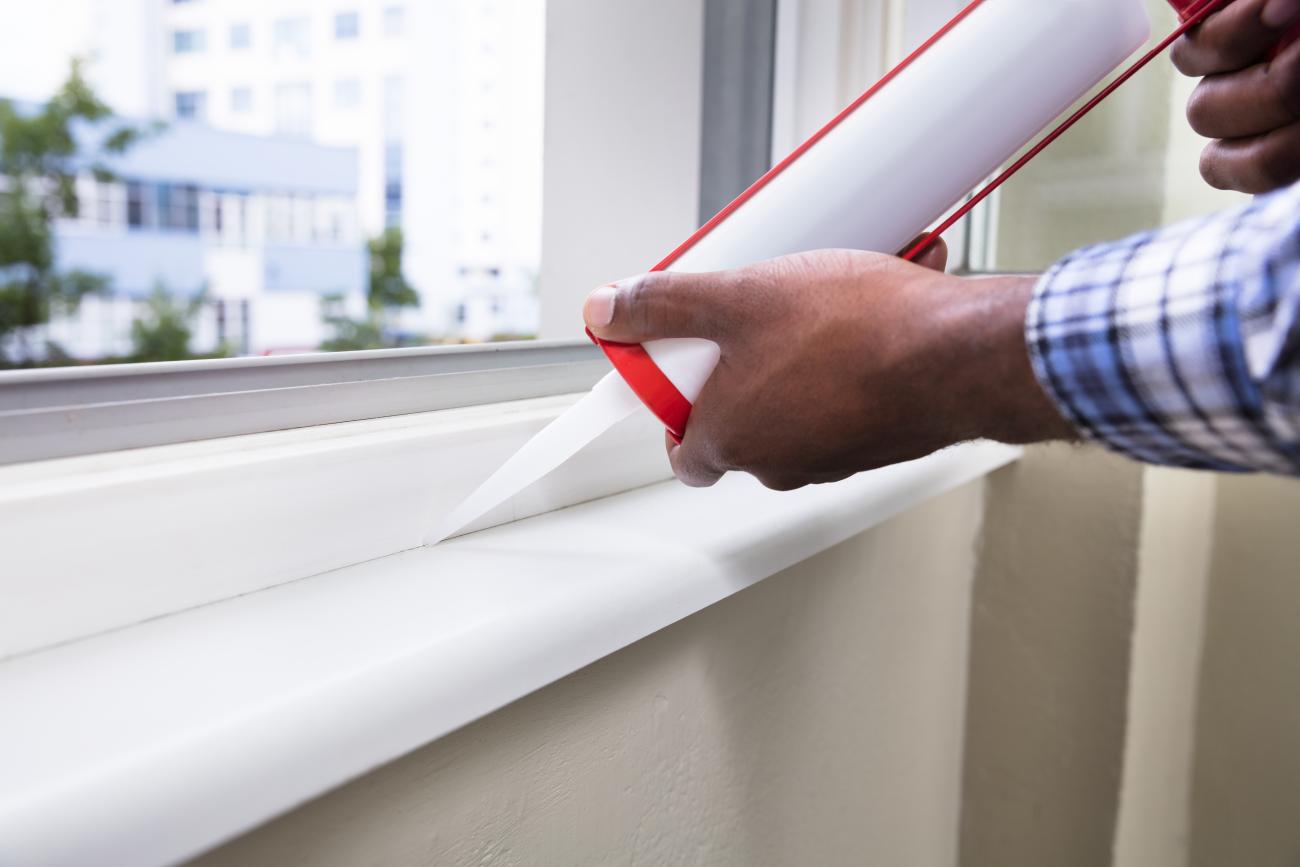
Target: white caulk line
x=608, y=403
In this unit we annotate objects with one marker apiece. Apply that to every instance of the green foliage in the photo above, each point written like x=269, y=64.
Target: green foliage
x=39, y=163
x=388, y=288
x=351, y=334
x=163, y=333
x=387, y=292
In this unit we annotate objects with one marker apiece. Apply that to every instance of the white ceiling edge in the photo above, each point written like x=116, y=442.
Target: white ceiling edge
x=153, y=743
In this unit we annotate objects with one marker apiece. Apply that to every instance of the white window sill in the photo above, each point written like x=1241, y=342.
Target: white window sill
x=154, y=742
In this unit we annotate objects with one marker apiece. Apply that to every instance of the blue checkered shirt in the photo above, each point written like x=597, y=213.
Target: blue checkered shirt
x=1182, y=346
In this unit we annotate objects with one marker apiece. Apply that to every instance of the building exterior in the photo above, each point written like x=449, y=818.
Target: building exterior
x=439, y=103
x=442, y=101
x=266, y=227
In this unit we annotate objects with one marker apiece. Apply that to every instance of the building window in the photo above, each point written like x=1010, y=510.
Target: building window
x=392, y=184
x=191, y=104
x=241, y=100
x=241, y=37
x=292, y=37
x=394, y=20
x=347, y=93
x=139, y=205
x=394, y=94
x=293, y=109
x=189, y=41
x=178, y=207
x=347, y=25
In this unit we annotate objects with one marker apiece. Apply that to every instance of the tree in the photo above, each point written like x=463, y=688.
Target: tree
x=388, y=289
x=350, y=334
x=386, y=293
x=39, y=162
x=163, y=333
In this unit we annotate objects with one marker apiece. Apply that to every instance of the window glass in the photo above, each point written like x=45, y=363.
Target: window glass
x=188, y=41
x=346, y=25
x=293, y=109
x=394, y=20
x=241, y=36
x=241, y=100
x=190, y=104
x=291, y=37
x=284, y=168
x=347, y=93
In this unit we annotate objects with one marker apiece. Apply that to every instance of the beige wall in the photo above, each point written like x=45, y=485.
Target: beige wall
x=812, y=719
x=1049, y=660
x=1246, y=771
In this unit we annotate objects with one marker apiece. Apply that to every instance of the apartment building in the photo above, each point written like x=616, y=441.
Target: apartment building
x=442, y=102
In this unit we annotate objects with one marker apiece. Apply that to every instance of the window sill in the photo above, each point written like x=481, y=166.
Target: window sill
x=157, y=741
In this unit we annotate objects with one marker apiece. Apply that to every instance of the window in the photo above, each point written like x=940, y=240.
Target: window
x=241, y=100
x=293, y=109
x=139, y=205
x=394, y=20
x=392, y=184
x=347, y=93
x=178, y=207
x=275, y=127
x=346, y=25
x=393, y=109
x=291, y=37
x=190, y=104
x=241, y=36
x=189, y=41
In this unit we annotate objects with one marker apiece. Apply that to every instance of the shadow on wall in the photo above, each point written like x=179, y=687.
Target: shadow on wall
x=1246, y=772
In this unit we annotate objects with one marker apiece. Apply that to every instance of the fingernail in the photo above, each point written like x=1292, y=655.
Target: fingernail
x=1279, y=13
x=599, y=307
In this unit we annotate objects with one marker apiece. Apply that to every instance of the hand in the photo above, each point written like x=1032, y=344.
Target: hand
x=1247, y=102
x=838, y=361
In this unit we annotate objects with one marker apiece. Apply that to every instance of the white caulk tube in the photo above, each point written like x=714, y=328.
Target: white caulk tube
x=874, y=178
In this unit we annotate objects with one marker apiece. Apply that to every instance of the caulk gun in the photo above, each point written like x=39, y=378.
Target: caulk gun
x=893, y=162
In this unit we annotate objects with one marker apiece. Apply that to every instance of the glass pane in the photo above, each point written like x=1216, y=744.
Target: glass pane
x=346, y=177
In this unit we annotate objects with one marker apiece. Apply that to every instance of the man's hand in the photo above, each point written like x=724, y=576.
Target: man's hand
x=838, y=361
x=1247, y=102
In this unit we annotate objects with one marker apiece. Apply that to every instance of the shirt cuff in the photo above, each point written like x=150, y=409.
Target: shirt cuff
x=1134, y=343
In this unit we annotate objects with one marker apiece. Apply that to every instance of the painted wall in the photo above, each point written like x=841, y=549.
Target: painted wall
x=620, y=181
x=812, y=719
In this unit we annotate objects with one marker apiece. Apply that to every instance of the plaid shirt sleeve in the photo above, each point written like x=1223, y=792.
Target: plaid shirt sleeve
x=1182, y=347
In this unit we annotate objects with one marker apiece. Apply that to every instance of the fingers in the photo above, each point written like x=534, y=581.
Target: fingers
x=689, y=464
x=934, y=257
x=1254, y=165
x=1248, y=103
x=659, y=304
x=1238, y=35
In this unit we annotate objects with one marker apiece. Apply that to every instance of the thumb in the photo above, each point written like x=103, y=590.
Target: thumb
x=935, y=254
x=656, y=305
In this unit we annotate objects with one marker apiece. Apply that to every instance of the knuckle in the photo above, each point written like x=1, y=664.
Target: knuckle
x=644, y=304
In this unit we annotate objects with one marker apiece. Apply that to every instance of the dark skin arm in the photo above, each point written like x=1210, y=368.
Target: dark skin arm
x=838, y=361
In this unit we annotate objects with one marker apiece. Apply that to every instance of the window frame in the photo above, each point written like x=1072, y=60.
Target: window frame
x=60, y=412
